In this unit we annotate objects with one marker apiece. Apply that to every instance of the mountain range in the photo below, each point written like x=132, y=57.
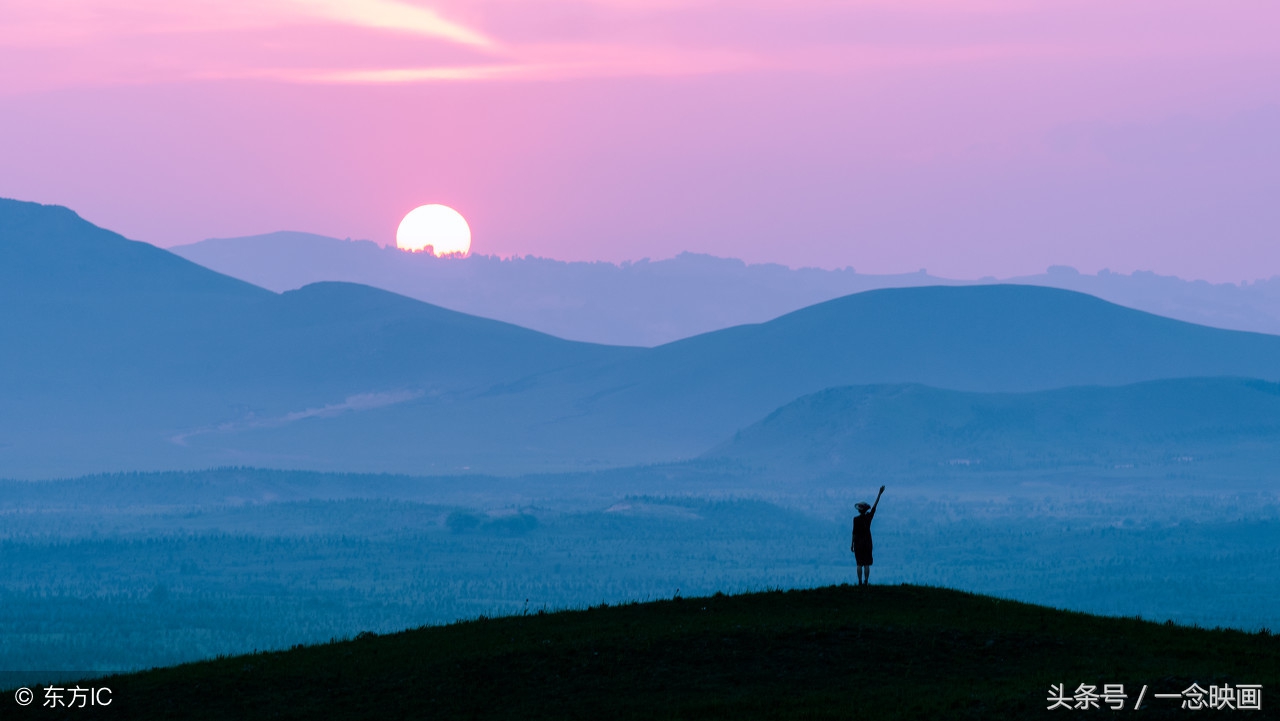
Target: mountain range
x=649, y=303
x=120, y=356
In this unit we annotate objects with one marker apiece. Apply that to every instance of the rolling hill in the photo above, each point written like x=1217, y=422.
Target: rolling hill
x=120, y=356
x=642, y=303
x=884, y=652
x=85, y=303
x=113, y=353
x=679, y=400
x=651, y=302
x=981, y=339
x=1227, y=424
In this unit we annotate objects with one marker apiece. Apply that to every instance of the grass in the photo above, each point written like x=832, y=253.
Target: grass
x=839, y=652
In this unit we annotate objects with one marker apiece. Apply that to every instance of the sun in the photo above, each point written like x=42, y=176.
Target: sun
x=437, y=227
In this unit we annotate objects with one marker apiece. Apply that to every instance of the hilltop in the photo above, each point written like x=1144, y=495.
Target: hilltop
x=882, y=652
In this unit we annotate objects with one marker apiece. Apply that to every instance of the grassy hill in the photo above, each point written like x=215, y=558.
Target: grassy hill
x=836, y=652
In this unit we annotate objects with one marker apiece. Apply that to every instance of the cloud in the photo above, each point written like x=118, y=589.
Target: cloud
x=46, y=45
x=396, y=16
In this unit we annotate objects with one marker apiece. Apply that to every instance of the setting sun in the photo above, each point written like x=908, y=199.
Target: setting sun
x=439, y=228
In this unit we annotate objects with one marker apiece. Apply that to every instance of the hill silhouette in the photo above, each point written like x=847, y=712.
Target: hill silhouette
x=73, y=288
x=884, y=652
x=679, y=400
x=651, y=302
x=1227, y=424
x=643, y=303
x=120, y=356
x=116, y=349
x=999, y=338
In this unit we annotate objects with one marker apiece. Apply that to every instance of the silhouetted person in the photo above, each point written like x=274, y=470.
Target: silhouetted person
x=861, y=545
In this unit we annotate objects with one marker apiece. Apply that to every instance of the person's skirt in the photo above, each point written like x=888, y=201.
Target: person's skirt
x=863, y=554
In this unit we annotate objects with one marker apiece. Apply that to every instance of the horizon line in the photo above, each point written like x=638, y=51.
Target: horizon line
x=1056, y=269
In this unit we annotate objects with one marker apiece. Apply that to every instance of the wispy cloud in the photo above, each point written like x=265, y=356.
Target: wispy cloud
x=397, y=17
x=91, y=42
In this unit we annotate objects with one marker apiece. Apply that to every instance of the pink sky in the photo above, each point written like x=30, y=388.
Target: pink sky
x=968, y=138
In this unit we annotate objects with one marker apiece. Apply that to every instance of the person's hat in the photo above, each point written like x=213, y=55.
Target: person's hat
x=863, y=506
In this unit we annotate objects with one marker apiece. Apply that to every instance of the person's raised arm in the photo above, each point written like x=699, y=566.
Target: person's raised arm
x=873, y=505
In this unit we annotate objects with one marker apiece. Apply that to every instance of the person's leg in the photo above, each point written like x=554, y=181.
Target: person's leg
x=860, y=570
x=867, y=575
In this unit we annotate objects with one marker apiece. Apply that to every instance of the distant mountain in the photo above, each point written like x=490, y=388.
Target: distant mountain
x=648, y=303
x=1251, y=306
x=1180, y=425
x=118, y=356
x=89, y=304
x=678, y=400
x=115, y=354
x=644, y=303
x=995, y=338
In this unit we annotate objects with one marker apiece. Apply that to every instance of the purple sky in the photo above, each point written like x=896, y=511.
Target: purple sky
x=969, y=138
